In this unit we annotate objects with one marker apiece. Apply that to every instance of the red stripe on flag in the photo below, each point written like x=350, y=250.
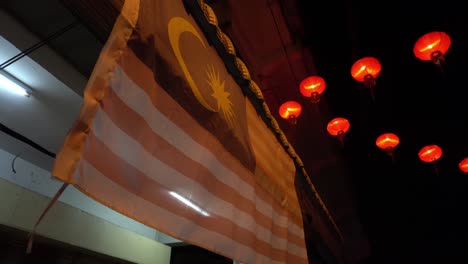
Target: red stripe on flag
x=131, y=179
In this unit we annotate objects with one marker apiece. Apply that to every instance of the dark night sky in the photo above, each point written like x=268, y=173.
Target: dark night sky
x=408, y=212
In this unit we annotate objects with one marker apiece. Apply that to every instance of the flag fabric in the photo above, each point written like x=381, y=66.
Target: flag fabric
x=167, y=137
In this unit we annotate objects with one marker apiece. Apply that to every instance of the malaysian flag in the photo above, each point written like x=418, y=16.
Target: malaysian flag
x=167, y=137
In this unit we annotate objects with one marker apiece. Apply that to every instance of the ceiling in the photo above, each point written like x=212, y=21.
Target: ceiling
x=56, y=75
x=47, y=17
x=388, y=212
x=46, y=116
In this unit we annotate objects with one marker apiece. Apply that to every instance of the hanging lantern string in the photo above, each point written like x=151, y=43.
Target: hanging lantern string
x=283, y=45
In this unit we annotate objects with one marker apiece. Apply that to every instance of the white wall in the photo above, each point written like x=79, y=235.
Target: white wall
x=75, y=219
x=20, y=208
x=40, y=181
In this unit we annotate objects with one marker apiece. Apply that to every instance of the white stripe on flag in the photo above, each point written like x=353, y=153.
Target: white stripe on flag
x=146, y=212
x=139, y=101
x=132, y=152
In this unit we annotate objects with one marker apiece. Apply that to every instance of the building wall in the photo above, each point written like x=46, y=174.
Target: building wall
x=21, y=206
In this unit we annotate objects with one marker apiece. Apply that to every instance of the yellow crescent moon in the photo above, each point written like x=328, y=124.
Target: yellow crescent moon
x=177, y=26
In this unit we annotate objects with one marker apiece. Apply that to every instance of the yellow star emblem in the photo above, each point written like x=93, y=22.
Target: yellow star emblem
x=221, y=95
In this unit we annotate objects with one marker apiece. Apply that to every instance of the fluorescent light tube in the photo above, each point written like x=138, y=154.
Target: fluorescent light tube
x=12, y=86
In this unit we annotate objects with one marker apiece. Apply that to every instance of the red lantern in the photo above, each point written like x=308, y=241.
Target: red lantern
x=387, y=142
x=430, y=153
x=432, y=46
x=366, y=70
x=313, y=87
x=338, y=127
x=290, y=110
x=463, y=165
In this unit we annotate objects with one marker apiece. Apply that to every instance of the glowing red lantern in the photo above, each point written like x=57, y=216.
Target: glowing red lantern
x=313, y=87
x=290, y=110
x=387, y=142
x=366, y=70
x=432, y=46
x=463, y=165
x=430, y=153
x=338, y=127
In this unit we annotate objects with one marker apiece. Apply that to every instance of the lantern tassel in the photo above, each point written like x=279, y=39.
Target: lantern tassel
x=441, y=68
x=340, y=137
x=391, y=153
x=369, y=82
x=438, y=59
x=436, y=170
x=292, y=120
x=371, y=88
x=315, y=97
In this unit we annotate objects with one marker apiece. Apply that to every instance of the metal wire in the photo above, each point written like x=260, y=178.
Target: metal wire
x=41, y=43
x=283, y=45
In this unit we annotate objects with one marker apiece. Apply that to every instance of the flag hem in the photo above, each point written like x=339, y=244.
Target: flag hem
x=71, y=152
